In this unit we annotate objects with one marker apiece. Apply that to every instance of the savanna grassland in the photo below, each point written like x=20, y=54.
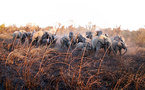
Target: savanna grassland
x=49, y=68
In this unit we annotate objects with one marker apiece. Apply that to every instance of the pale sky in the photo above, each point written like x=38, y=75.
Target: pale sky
x=130, y=14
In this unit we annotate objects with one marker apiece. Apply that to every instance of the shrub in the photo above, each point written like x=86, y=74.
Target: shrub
x=2, y=28
x=138, y=37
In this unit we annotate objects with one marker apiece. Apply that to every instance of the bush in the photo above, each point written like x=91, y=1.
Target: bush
x=138, y=37
x=2, y=28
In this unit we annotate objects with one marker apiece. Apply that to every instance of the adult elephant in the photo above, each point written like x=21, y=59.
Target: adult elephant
x=64, y=42
x=118, y=45
x=89, y=35
x=38, y=37
x=73, y=40
x=21, y=34
x=82, y=47
x=101, y=41
x=98, y=33
x=80, y=38
x=30, y=35
x=49, y=39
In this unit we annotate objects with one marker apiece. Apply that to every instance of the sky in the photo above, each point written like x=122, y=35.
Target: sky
x=129, y=14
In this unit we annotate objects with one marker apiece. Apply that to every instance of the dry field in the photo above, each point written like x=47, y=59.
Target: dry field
x=48, y=68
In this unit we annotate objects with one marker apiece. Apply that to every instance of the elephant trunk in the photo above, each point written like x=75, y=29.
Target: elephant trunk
x=125, y=51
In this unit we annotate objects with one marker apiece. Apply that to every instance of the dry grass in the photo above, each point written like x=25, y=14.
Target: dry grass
x=48, y=68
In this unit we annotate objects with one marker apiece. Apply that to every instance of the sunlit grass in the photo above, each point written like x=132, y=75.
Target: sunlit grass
x=28, y=67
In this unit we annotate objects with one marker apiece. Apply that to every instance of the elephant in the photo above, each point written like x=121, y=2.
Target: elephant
x=64, y=42
x=83, y=47
x=68, y=41
x=48, y=39
x=89, y=35
x=98, y=33
x=29, y=36
x=21, y=34
x=45, y=41
x=101, y=41
x=73, y=39
x=52, y=39
x=71, y=35
x=118, y=45
x=43, y=38
x=38, y=37
x=118, y=38
x=80, y=38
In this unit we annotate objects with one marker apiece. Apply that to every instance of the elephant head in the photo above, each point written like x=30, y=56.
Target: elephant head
x=80, y=38
x=71, y=35
x=64, y=41
x=89, y=35
x=122, y=45
x=98, y=33
x=118, y=38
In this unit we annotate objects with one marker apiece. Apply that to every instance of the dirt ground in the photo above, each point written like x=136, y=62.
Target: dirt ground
x=49, y=68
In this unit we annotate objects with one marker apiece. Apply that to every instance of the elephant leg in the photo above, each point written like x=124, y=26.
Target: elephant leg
x=61, y=46
x=120, y=52
x=37, y=43
x=116, y=49
x=22, y=40
x=109, y=51
x=105, y=48
x=33, y=42
x=29, y=40
x=97, y=49
x=98, y=46
x=13, y=42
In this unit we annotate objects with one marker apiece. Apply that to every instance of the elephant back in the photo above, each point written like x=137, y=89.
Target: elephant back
x=102, y=38
x=17, y=34
x=38, y=34
x=22, y=31
x=98, y=33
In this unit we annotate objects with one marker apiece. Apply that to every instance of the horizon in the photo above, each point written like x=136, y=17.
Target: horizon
x=104, y=14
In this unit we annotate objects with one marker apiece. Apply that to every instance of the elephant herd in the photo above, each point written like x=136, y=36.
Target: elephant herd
x=89, y=42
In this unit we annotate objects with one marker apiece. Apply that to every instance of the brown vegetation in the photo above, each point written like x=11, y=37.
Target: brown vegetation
x=49, y=68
